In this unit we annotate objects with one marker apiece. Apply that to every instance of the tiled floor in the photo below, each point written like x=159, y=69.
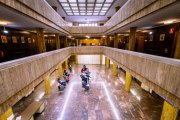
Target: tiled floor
x=106, y=99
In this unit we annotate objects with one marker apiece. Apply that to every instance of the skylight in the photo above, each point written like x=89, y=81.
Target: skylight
x=86, y=7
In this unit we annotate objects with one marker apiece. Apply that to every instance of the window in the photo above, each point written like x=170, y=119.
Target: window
x=86, y=7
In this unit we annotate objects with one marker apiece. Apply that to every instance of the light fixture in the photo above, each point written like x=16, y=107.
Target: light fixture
x=168, y=22
x=5, y=31
x=103, y=36
x=87, y=36
x=69, y=36
x=3, y=23
x=150, y=33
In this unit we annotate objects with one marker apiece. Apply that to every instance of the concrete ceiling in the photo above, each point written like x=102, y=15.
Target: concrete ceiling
x=20, y=21
x=154, y=19
x=84, y=19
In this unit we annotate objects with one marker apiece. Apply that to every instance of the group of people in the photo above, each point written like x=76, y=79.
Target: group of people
x=66, y=76
x=85, y=75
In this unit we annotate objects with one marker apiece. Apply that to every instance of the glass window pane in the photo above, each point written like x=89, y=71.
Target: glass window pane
x=99, y=5
x=91, y=1
x=62, y=0
x=74, y=5
x=90, y=5
x=83, y=13
x=109, y=1
x=72, y=1
x=107, y=5
x=69, y=13
x=102, y=14
x=67, y=8
x=64, y=4
x=82, y=8
x=104, y=8
x=100, y=1
x=89, y=13
x=74, y=8
x=82, y=0
x=102, y=11
x=82, y=4
x=95, y=13
x=76, y=13
x=97, y=8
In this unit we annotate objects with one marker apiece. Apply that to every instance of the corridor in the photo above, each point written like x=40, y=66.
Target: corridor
x=106, y=99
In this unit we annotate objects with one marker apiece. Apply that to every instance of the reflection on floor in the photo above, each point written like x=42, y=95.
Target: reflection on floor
x=106, y=99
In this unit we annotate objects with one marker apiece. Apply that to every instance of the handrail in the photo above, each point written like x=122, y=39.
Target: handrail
x=159, y=73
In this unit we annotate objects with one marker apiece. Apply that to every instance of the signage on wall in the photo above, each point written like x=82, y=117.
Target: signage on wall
x=14, y=39
x=161, y=37
x=171, y=30
x=3, y=39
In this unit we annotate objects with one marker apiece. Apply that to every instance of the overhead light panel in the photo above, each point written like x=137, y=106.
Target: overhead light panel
x=169, y=22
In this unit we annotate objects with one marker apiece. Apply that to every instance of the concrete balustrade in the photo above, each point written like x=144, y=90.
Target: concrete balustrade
x=19, y=77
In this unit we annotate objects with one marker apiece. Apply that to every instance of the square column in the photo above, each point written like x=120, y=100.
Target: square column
x=76, y=59
x=60, y=71
x=114, y=69
x=132, y=39
x=169, y=112
x=177, y=45
x=107, y=62
x=7, y=115
x=66, y=64
x=47, y=85
x=101, y=57
x=40, y=43
x=128, y=81
x=57, y=41
x=115, y=40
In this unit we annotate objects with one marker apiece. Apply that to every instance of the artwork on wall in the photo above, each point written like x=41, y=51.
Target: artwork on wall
x=22, y=40
x=29, y=40
x=14, y=39
x=151, y=38
x=161, y=37
x=33, y=40
x=3, y=39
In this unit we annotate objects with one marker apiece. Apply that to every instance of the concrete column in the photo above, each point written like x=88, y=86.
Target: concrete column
x=177, y=46
x=169, y=112
x=114, y=69
x=76, y=59
x=132, y=39
x=66, y=64
x=115, y=40
x=41, y=47
x=108, y=41
x=8, y=114
x=66, y=42
x=107, y=63
x=128, y=81
x=60, y=71
x=47, y=85
x=57, y=41
x=77, y=42
x=101, y=59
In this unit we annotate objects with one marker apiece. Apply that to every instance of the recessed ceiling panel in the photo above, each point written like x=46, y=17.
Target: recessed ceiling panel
x=86, y=7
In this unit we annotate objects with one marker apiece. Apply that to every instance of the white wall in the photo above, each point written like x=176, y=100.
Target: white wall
x=103, y=60
x=88, y=59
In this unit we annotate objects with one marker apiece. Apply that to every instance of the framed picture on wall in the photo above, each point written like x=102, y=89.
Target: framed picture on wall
x=14, y=39
x=22, y=40
x=33, y=40
x=161, y=37
x=29, y=40
x=3, y=39
x=151, y=38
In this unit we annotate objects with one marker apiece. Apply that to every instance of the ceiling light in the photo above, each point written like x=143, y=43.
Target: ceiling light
x=5, y=31
x=168, y=21
x=103, y=36
x=72, y=1
x=3, y=23
x=150, y=33
x=87, y=36
x=65, y=4
x=69, y=36
x=99, y=1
